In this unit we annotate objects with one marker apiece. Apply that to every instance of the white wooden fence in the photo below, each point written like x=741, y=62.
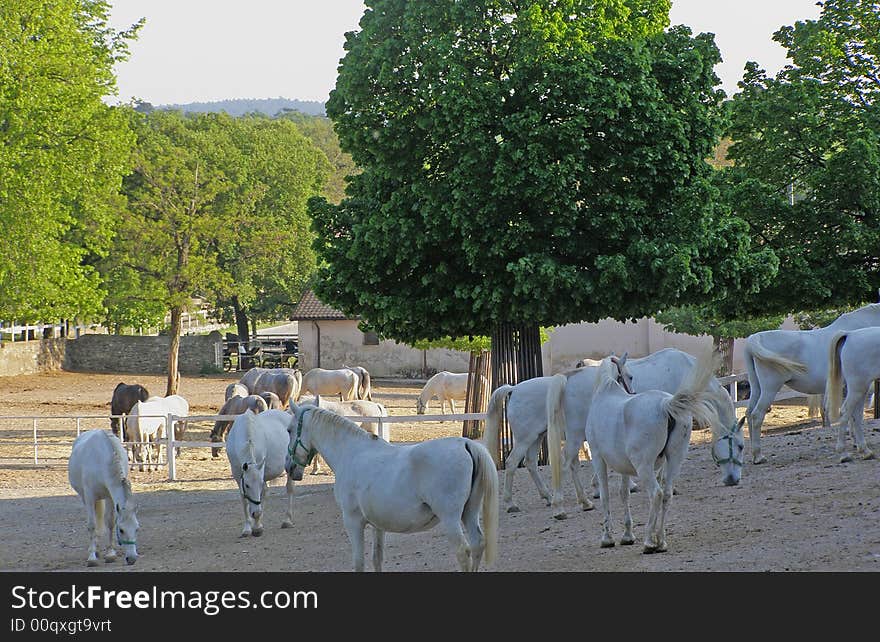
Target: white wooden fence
x=170, y=443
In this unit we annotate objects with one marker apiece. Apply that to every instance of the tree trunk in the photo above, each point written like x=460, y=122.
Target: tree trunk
x=724, y=346
x=173, y=350
x=516, y=357
x=241, y=321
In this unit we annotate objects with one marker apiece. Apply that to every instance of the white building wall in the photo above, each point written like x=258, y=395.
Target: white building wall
x=342, y=343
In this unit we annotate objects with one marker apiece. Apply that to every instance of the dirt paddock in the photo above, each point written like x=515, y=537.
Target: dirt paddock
x=800, y=511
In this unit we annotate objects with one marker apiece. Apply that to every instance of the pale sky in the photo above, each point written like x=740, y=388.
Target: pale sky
x=205, y=50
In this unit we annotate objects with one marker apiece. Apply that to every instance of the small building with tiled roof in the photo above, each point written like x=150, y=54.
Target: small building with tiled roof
x=330, y=339
x=310, y=308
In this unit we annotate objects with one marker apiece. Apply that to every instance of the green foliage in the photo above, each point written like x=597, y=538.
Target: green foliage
x=467, y=344
x=63, y=153
x=700, y=320
x=533, y=162
x=319, y=130
x=816, y=127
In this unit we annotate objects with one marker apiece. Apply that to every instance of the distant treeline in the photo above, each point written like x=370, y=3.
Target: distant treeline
x=241, y=106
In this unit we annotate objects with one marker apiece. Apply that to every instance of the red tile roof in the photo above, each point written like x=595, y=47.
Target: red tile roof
x=310, y=308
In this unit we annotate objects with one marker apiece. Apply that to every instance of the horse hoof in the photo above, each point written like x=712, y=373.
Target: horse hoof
x=245, y=534
x=868, y=455
x=627, y=541
x=561, y=516
x=257, y=532
x=596, y=494
x=760, y=460
x=845, y=459
x=588, y=506
x=513, y=509
x=286, y=524
x=607, y=543
x=92, y=562
x=110, y=558
x=648, y=550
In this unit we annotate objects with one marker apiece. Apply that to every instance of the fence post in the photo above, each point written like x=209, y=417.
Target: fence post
x=36, y=458
x=77, y=426
x=169, y=454
x=384, y=430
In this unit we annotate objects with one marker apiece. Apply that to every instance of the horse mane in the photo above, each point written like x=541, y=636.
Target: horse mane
x=605, y=374
x=120, y=463
x=330, y=422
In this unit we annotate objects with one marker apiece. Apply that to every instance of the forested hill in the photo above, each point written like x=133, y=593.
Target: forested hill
x=241, y=106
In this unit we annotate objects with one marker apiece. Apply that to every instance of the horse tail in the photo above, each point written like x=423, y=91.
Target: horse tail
x=366, y=385
x=833, y=384
x=486, y=479
x=492, y=429
x=298, y=375
x=692, y=401
x=555, y=429
x=760, y=352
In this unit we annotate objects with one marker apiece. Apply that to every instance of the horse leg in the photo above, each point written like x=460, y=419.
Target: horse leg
x=570, y=462
x=759, y=406
x=655, y=499
x=354, y=525
x=852, y=415
x=451, y=524
x=288, y=518
x=110, y=524
x=510, y=464
x=248, y=527
x=531, y=461
x=258, y=520
x=378, y=549
x=602, y=478
x=94, y=510
x=627, y=538
x=476, y=540
x=452, y=404
x=674, y=460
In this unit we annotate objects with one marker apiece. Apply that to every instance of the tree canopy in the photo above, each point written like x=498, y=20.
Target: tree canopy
x=527, y=162
x=63, y=153
x=806, y=153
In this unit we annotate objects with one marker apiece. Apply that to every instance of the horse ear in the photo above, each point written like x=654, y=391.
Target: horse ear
x=623, y=358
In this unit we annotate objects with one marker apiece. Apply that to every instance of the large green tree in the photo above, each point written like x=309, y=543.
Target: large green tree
x=63, y=153
x=216, y=207
x=531, y=162
x=806, y=153
x=269, y=256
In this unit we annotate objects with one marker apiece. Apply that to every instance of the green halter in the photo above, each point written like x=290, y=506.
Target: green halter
x=731, y=458
x=291, y=450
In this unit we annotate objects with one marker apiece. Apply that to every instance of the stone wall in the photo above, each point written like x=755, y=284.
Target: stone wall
x=31, y=357
x=141, y=355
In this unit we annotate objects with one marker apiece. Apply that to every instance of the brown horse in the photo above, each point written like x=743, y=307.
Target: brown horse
x=125, y=396
x=235, y=406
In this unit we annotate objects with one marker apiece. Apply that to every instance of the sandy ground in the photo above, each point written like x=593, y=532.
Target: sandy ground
x=800, y=511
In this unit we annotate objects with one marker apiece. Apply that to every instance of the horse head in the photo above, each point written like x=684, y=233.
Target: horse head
x=421, y=406
x=126, y=530
x=300, y=451
x=251, y=485
x=624, y=378
x=727, y=452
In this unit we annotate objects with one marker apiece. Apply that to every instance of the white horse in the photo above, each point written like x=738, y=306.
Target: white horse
x=854, y=359
x=256, y=448
x=322, y=382
x=98, y=472
x=235, y=405
x=365, y=386
x=356, y=408
x=236, y=390
x=446, y=386
x=531, y=405
x=637, y=434
x=796, y=358
x=402, y=488
x=145, y=426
